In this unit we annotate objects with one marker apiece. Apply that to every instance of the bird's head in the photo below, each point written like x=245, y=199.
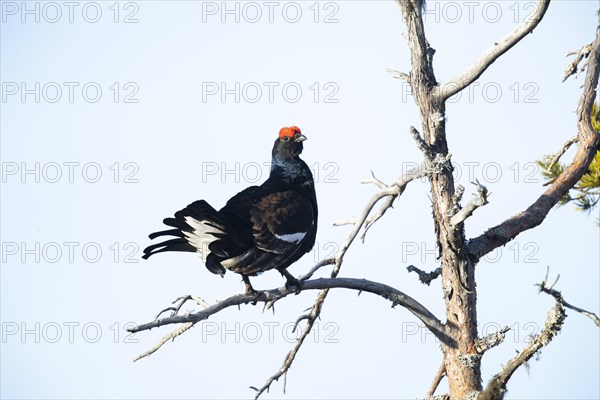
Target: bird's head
x=289, y=143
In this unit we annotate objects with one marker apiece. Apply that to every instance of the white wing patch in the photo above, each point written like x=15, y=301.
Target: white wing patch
x=292, y=237
x=202, y=235
x=232, y=262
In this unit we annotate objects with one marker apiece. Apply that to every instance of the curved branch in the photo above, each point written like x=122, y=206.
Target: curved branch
x=323, y=263
x=436, y=380
x=447, y=90
x=365, y=219
x=561, y=152
x=425, y=277
x=496, y=389
x=559, y=298
x=589, y=144
x=387, y=292
x=397, y=187
x=170, y=336
x=573, y=68
x=479, y=200
x=497, y=386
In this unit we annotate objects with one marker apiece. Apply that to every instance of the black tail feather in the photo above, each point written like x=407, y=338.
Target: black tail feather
x=168, y=245
x=178, y=223
x=199, y=210
x=172, y=232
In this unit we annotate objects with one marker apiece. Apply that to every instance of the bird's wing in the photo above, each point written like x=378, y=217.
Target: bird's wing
x=281, y=221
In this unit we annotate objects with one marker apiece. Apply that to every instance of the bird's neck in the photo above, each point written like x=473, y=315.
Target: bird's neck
x=289, y=169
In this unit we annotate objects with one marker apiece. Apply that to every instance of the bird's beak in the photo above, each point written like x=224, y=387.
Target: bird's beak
x=301, y=138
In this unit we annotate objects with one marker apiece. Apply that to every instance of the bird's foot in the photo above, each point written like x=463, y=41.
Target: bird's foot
x=248, y=285
x=291, y=281
x=293, y=284
x=250, y=291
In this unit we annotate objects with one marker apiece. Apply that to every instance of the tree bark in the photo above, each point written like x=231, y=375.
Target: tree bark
x=462, y=362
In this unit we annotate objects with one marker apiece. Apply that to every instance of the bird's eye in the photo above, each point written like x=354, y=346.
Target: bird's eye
x=285, y=138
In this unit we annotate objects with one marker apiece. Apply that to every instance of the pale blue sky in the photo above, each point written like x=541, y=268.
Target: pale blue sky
x=160, y=138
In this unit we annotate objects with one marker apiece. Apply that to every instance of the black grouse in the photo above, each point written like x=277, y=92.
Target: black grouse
x=261, y=228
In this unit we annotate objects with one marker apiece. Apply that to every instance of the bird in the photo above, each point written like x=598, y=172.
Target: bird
x=264, y=227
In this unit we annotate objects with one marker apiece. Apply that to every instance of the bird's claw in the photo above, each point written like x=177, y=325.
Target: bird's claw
x=293, y=283
x=252, y=293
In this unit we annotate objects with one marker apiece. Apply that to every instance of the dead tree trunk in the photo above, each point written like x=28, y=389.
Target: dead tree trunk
x=462, y=363
x=462, y=357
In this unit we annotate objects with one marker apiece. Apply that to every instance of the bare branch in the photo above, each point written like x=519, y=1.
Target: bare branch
x=374, y=180
x=388, y=203
x=497, y=386
x=447, y=90
x=182, y=300
x=478, y=201
x=319, y=265
x=436, y=380
x=365, y=219
x=543, y=287
x=165, y=339
x=398, y=74
x=387, y=292
x=491, y=340
x=298, y=320
x=425, y=277
x=573, y=68
x=562, y=151
x=421, y=145
x=344, y=221
x=174, y=311
x=589, y=144
x=388, y=191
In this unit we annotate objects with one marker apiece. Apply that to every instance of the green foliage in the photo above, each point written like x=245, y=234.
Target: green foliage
x=585, y=195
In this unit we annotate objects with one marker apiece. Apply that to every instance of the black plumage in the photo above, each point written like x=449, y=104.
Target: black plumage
x=261, y=228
